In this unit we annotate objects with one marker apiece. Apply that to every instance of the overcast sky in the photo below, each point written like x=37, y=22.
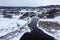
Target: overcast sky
x=29, y=2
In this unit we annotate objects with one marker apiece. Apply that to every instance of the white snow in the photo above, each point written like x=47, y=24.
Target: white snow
x=57, y=32
x=21, y=34
x=10, y=28
x=17, y=16
x=58, y=17
x=9, y=25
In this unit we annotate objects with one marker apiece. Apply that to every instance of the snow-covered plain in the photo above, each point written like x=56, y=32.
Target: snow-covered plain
x=12, y=29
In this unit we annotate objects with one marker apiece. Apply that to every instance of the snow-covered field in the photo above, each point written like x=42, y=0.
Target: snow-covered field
x=55, y=33
x=12, y=29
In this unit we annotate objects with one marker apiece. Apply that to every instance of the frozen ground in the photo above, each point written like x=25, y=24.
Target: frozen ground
x=55, y=33
x=12, y=29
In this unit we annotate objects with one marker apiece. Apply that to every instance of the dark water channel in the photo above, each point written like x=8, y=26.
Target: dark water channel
x=36, y=33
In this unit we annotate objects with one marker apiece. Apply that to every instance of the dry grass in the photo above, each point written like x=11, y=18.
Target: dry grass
x=48, y=24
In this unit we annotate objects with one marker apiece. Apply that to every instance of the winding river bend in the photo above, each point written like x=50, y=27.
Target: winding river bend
x=36, y=33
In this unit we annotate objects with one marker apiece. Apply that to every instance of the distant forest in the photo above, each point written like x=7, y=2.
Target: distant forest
x=11, y=7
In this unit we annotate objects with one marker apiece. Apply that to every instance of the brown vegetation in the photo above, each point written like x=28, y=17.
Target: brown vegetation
x=47, y=24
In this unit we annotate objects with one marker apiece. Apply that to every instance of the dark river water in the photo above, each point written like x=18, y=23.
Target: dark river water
x=36, y=33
